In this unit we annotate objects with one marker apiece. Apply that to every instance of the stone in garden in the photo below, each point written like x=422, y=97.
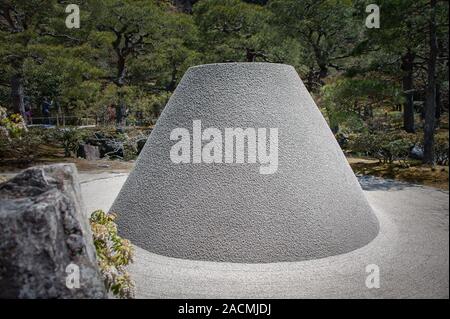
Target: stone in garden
x=89, y=152
x=140, y=144
x=107, y=145
x=193, y=194
x=111, y=148
x=45, y=237
x=416, y=152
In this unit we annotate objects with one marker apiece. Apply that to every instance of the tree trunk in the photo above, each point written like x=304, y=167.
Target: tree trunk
x=58, y=114
x=121, y=70
x=250, y=55
x=408, y=107
x=323, y=72
x=430, y=106
x=333, y=123
x=121, y=111
x=310, y=79
x=438, y=104
x=17, y=93
x=321, y=61
x=121, y=74
x=173, y=81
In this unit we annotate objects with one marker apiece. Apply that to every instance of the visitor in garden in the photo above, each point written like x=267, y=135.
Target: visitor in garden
x=46, y=110
x=27, y=106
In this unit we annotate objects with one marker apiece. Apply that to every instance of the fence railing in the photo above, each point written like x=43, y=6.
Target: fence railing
x=80, y=121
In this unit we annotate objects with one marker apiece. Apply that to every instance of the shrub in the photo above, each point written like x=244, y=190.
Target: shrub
x=13, y=125
x=114, y=254
x=441, y=148
x=70, y=139
x=47, y=135
x=16, y=141
x=386, y=146
x=22, y=148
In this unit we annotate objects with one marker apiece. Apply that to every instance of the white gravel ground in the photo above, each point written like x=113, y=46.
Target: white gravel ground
x=411, y=250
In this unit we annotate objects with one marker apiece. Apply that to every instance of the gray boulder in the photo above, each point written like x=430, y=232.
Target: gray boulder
x=140, y=144
x=45, y=238
x=416, y=152
x=89, y=152
x=107, y=145
x=111, y=148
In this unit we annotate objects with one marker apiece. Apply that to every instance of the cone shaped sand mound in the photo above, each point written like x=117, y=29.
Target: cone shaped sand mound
x=291, y=196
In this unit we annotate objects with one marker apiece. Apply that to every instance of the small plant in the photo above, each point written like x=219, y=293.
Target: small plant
x=70, y=139
x=114, y=254
x=387, y=147
x=16, y=141
x=13, y=125
x=441, y=147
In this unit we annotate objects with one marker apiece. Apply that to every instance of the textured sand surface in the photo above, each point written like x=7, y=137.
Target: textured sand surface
x=311, y=207
x=411, y=250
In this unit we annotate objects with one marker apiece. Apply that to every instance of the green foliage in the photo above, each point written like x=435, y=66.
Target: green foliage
x=133, y=53
x=16, y=141
x=325, y=29
x=70, y=138
x=441, y=149
x=12, y=125
x=232, y=30
x=351, y=103
x=385, y=146
x=130, y=146
x=354, y=94
x=114, y=254
x=23, y=149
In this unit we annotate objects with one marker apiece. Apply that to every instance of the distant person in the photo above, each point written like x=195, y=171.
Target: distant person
x=46, y=110
x=111, y=114
x=139, y=118
x=28, y=119
x=28, y=115
x=121, y=113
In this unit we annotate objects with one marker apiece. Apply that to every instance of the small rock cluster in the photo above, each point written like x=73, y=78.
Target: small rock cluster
x=102, y=145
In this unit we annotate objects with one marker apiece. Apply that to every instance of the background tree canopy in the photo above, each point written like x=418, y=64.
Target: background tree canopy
x=131, y=54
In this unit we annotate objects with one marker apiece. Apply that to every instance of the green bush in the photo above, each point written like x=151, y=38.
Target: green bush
x=11, y=125
x=70, y=139
x=441, y=148
x=114, y=254
x=16, y=141
x=22, y=148
x=386, y=147
x=47, y=135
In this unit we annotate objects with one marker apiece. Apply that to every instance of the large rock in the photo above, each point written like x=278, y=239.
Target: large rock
x=416, y=152
x=140, y=144
x=111, y=148
x=107, y=145
x=44, y=233
x=89, y=152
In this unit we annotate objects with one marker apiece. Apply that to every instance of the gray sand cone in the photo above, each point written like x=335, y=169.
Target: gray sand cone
x=311, y=207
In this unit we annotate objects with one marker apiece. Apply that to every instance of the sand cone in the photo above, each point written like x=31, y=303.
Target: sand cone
x=185, y=199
